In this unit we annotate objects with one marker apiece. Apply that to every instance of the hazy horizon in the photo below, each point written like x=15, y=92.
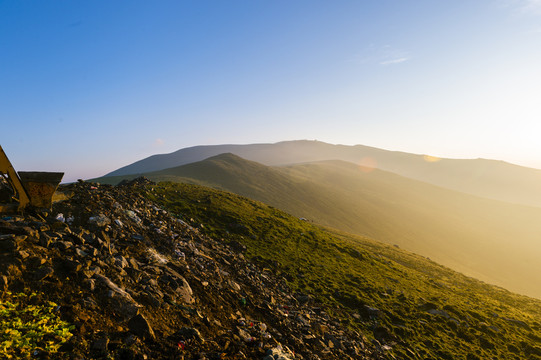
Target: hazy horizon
x=91, y=87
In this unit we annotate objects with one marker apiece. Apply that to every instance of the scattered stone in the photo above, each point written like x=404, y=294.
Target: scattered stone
x=113, y=287
x=101, y=345
x=99, y=220
x=438, y=312
x=140, y=326
x=80, y=253
x=134, y=258
x=519, y=323
x=10, y=242
x=63, y=245
x=43, y=272
x=371, y=312
x=187, y=333
x=3, y=282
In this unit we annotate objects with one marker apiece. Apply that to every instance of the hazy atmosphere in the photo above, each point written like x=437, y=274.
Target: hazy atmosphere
x=88, y=87
x=270, y=179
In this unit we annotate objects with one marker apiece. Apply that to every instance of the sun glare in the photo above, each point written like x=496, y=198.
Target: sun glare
x=431, y=159
x=367, y=164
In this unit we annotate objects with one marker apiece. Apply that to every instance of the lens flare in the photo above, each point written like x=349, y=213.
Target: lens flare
x=431, y=159
x=367, y=164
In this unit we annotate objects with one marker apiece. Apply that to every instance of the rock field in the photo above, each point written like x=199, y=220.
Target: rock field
x=138, y=283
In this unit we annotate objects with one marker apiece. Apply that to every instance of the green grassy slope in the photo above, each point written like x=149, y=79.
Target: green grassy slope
x=495, y=241
x=420, y=309
x=490, y=240
x=487, y=178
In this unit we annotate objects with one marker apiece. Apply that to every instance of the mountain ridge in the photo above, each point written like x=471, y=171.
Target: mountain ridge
x=492, y=179
x=471, y=234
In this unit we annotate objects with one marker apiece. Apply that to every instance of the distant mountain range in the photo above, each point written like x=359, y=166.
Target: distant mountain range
x=488, y=239
x=486, y=178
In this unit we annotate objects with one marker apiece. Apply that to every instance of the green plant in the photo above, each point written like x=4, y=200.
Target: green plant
x=424, y=310
x=29, y=326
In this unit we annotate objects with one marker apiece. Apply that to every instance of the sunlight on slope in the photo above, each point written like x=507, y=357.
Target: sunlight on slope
x=430, y=158
x=368, y=164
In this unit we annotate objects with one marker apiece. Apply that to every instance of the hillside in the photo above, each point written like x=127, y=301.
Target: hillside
x=409, y=306
x=490, y=240
x=486, y=178
x=109, y=274
x=178, y=271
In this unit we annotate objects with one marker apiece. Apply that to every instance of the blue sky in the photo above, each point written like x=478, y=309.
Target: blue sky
x=89, y=86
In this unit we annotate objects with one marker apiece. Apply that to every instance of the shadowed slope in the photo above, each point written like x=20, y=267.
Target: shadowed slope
x=421, y=309
x=487, y=178
x=491, y=240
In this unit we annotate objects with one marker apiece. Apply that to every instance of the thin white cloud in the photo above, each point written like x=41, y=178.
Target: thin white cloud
x=391, y=56
x=531, y=6
x=522, y=7
x=394, y=61
x=381, y=55
x=159, y=142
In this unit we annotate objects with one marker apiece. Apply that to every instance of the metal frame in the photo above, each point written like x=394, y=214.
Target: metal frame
x=9, y=173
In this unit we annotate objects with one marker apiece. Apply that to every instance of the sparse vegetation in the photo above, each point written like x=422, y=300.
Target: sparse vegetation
x=487, y=239
x=30, y=327
x=419, y=308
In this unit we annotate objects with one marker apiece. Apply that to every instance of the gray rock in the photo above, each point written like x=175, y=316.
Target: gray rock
x=332, y=340
x=36, y=261
x=92, y=251
x=381, y=333
x=133, y=217
x=80, y=252
x=134, y=264
x=3, y=282
x=244, y=335
x=519, y=323
x=281, y=353
x=149, y=299
x=8, y=243
x=72, y=265
x=90, y=284
x=100, y=220
x=187, y=333
x=101, y=344
x=63, y=245
x=45, y=240
x=304, y=299
x=235, y=286
x=372, y=312
x=140, y=326
x=128, y=310
x=438, y=312
x=43, y=272
x=112, y=286
x=184, y=291
x=428, y=306
x=121, y=262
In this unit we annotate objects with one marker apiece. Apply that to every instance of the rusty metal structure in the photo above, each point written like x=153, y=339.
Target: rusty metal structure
x=25, y=188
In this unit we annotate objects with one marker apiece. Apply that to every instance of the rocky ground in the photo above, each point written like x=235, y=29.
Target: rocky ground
x=138, y=283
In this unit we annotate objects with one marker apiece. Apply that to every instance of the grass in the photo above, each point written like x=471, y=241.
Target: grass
x=424, y=310
x=30, y=327
x=487, y=239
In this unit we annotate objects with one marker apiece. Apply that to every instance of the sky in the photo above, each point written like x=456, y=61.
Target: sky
x=87, y=87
